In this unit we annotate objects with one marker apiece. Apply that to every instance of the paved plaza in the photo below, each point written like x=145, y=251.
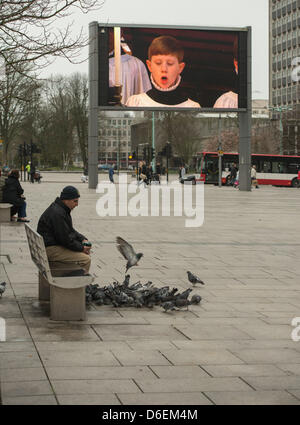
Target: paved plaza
x=233, y=348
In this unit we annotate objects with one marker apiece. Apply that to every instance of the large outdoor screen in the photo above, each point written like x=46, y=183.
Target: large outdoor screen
x=144, y=67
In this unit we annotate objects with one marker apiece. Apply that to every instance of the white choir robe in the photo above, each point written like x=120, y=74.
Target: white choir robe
x=134, y=76
x=227, y=100
x=144, y=100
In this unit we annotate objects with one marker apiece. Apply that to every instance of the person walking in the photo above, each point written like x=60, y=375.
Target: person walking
x=233, y=174
x=253, y=177
x=27, y=168
x=158, y=171
x=111, y=173
x=66, y=248
x=32, y=173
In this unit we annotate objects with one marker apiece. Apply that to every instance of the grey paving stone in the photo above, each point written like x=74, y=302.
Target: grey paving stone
x=243, y=370
x=150, y=345
x=19, y=360
x=195, y=332
x=265, y=331
x=103, y=386
x=263, y=307
x=140, y=357
x=271, y=356
x=183, y=385
x=290, y=369
x=16, y=346
x=102, y=372
x=168, y=372
x=63, y=333
x=200, y=357
x=295, y=393
x=129, y=332
x=252, y=398
x=27, y=374
x=9, y=309
x=274, y=382
x=165, y=399
x=30, y=400
x=73, y=346
x=25, y=388
x=89, y=399
x=17, y=333
x=78, y=358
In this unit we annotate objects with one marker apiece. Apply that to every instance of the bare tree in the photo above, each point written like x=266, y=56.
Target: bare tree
x=57, y=140
x=16, y=95
x=29, y=30
x=77, y=89
x=182, y=131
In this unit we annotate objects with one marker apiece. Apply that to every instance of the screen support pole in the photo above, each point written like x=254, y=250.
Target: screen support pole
x=93, y=106
x=245, y=119
x=153, y=143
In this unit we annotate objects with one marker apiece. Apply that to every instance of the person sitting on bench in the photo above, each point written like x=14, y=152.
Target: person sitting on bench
x=66, y=248
x=13, y=194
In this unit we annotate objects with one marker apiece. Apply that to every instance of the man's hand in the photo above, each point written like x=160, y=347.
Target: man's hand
x=87, y=249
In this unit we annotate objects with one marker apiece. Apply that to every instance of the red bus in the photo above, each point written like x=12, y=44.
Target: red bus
x=277, y=170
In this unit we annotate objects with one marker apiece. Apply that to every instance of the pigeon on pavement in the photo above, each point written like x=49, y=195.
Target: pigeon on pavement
x=2, y=288
x=169, y=305
x=128, y=253
x=194, y=279
x=182, y=302
x=195, y=299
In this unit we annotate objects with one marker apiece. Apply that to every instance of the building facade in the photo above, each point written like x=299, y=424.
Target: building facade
x=284, y=26
x=284, y=71
x=115, y=137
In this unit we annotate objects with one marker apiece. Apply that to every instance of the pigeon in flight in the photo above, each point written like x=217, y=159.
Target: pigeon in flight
x=194, y=279
x=2, y=288
x=128, y=253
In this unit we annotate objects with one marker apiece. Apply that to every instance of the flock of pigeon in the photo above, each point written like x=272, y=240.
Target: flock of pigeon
x=137, y=294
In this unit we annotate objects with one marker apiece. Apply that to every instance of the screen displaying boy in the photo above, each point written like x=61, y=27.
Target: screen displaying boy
x=165, y=63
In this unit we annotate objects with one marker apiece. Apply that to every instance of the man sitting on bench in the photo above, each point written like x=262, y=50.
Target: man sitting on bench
x=66, y=249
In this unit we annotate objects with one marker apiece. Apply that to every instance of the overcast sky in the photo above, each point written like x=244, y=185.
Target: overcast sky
x=218, y=13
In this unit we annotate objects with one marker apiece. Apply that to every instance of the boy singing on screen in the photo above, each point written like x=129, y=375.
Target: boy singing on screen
x=165, y=63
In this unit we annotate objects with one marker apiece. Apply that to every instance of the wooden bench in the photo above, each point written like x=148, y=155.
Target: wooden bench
x=66, y=294
x=5, y=212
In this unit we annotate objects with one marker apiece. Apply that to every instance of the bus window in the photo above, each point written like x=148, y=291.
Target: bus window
x=278, y=167
x=292, y=168
x=266, y=167
x=226, y=165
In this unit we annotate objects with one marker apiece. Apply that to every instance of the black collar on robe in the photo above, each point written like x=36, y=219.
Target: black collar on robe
x=173, y=97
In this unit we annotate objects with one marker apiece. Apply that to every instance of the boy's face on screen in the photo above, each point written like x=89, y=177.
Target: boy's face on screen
x=165, y=69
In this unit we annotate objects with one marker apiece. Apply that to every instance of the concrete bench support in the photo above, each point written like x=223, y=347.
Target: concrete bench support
x=60, y=301
x=5, y=212
x=44, y=288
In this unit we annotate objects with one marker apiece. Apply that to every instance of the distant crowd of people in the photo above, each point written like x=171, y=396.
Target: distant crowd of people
x=233, y=177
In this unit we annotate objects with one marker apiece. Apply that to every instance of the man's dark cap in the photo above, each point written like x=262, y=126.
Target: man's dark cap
x=69, y=192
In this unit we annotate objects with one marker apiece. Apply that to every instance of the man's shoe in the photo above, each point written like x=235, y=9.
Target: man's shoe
x=20, y=220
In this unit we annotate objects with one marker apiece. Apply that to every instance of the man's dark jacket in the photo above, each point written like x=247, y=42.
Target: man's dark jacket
x=12, y=191
x=55, y=225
